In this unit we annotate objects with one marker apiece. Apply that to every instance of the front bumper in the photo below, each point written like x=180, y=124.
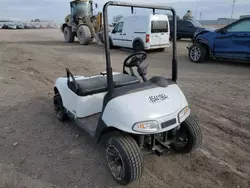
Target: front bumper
x=148, y=47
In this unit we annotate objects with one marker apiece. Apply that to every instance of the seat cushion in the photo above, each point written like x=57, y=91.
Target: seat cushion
x=99, y=84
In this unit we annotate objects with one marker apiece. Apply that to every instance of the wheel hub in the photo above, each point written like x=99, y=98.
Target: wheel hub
x=115, y=162
x=195, y=53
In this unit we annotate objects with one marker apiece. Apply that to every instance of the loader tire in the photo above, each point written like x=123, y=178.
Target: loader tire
x=68, y=34
x=83, y=35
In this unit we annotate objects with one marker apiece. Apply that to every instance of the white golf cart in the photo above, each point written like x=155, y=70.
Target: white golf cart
x=127, y=114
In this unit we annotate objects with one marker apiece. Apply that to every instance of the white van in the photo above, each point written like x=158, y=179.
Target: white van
x=141, y=32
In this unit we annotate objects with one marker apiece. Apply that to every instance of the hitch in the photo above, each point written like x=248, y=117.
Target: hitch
x=158, y=146
x=158, y=150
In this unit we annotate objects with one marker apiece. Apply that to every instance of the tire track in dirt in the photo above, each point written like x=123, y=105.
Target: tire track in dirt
x=10, y=178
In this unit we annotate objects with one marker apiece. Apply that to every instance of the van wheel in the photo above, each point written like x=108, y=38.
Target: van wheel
x=138, y=46
x=124, y=159
x=197, y=53
x=111, y=46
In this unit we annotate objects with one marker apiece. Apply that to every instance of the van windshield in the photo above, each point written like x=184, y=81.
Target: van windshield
x=158, y=26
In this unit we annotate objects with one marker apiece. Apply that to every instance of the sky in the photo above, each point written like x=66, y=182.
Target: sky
x=58, y=9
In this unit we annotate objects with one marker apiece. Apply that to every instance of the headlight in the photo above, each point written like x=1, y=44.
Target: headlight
x=146, y=127
x=184, y=113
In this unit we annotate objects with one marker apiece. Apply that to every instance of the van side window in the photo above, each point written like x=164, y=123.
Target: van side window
x=118, y=27
x=159, y=26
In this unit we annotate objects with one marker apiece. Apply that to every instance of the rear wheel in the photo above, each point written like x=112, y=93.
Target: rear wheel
x=83, y=34
x=138, y=46
x=59, y=109
x=188, y=137
x=124, y=159
x=68, y=34
x=197, y=53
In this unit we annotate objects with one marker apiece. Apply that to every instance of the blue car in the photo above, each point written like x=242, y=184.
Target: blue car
x=230, y=42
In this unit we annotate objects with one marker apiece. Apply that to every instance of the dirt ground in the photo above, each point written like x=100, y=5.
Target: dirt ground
x=36, y=150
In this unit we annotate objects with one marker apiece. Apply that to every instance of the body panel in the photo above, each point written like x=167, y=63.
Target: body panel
x=80, y=106
x=136, y=107
x=223, y=45
x=124, y=111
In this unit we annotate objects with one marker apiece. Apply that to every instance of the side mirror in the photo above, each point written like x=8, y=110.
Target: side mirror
x=191, y=26
x=113, y=31
x=223, y=31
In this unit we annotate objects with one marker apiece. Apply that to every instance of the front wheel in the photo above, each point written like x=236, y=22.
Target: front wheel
x=188, y=137
x=83, y=34
x=124, y=159
x=197, y=53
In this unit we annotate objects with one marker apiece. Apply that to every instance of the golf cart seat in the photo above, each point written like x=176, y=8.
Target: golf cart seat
x=98, y=84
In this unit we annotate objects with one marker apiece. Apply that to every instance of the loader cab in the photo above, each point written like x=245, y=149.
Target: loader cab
x=81, y=7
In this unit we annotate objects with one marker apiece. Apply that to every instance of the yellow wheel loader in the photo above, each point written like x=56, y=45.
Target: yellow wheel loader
x=82, y=23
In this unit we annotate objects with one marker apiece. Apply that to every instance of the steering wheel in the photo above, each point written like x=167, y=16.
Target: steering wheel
x=135, y=59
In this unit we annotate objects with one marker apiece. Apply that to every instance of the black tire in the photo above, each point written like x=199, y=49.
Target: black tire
x=83, y=34
x=197, y=53
x=101, y=37
x=111, y=46
x=191, y=131
x=128, y=152
x=59, y=109
x=138, y=46
x=68, y=34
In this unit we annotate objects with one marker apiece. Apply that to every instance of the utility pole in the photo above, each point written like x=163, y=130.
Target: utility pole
x=201, y=16
x=232, y=10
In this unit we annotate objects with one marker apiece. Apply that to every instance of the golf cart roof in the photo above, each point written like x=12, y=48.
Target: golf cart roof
x=106, y=36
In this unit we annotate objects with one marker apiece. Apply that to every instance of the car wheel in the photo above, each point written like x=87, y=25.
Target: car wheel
x=138, y=46
x=124, y=159
x=188, y=137
x=197, y=53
